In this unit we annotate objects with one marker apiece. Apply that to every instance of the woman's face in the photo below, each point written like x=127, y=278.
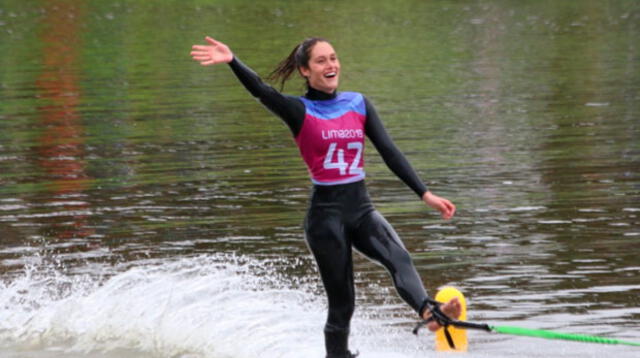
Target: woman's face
x=324, y=68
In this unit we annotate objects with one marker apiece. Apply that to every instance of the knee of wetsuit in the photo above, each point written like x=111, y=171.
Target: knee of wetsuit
x=405, y=261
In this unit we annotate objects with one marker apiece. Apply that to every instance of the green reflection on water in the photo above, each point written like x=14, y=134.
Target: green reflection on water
x=524, y=113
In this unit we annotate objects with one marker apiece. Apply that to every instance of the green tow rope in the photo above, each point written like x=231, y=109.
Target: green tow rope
x=541, y=333
x=518, y=331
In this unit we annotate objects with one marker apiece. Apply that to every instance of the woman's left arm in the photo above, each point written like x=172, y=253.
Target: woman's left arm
x=399, y=165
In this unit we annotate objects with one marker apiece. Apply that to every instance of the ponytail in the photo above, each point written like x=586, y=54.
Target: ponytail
x=297, y=58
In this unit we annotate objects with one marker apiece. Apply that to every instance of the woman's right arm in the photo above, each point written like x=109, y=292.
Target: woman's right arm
x=289, y=108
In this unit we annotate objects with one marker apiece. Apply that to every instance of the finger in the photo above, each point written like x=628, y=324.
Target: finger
x=449, y=209
x=207, y=63
x=200, y=53
x=452, y=208
x=446, y=215
x=201, y=58
x=201, y=47
x=211, y=41
x=449, y=214
x=444, y=209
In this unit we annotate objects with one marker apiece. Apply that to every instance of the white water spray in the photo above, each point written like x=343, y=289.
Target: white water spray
x=220, y=306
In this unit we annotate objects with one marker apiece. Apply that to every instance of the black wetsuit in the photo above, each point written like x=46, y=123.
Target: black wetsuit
x=341, y=217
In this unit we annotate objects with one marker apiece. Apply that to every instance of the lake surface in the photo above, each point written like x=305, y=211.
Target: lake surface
x=149, y=207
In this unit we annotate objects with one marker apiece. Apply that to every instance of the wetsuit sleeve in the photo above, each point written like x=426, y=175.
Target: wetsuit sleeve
x=289, y=108
x=395, y=160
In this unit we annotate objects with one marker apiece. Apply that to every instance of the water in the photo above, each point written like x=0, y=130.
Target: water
x=150, y=208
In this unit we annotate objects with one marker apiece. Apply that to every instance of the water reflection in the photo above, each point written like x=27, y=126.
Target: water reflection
x=60, y=149
x=123, y=165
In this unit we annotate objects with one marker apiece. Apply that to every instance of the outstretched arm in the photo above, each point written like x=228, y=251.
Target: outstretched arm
x=289, y=108
x=399, y=165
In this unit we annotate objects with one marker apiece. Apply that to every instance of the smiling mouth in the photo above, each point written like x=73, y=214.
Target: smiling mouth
x=330, y=75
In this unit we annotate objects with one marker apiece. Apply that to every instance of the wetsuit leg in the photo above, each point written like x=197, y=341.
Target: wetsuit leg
x=376, y=239
x=342, y=216
x=331, y=248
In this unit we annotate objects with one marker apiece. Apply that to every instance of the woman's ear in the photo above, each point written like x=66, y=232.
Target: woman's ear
x=304, y=72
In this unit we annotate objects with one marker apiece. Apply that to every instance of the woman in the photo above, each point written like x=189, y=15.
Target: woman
x=329, y=129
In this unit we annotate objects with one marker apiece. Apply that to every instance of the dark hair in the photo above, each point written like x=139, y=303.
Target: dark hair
x=298, y=57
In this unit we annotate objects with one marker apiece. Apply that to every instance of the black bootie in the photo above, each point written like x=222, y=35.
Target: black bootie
x=336, y=342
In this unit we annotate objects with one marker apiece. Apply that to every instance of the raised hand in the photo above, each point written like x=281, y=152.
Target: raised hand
x=213, y=53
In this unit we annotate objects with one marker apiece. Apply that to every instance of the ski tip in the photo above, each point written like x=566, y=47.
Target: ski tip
x=459, y=336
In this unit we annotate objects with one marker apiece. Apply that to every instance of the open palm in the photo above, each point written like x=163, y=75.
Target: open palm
x=214, y=53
